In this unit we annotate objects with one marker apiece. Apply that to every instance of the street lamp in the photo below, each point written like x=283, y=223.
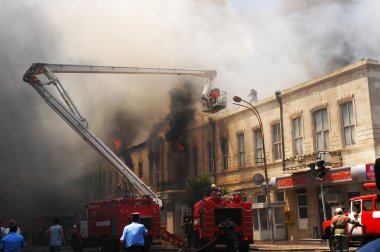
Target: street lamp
x=253, y=109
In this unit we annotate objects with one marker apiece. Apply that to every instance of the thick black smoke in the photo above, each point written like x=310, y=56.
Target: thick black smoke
x=174, y=130
x=181, y=115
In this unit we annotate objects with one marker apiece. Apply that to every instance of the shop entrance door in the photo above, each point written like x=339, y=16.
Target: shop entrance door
x=260, y=223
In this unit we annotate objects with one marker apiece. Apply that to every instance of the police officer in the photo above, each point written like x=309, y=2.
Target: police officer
x=133, y=235
x=339, y=231
x=12, y=242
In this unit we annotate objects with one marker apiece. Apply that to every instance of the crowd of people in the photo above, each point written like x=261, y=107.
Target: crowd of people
x=11, y=239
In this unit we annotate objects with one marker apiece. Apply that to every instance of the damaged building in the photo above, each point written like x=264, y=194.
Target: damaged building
x=332, y=117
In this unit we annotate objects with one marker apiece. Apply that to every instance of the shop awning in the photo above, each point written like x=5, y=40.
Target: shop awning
x=349, y=174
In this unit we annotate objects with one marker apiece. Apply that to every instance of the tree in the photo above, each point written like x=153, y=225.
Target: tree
x=197, y=189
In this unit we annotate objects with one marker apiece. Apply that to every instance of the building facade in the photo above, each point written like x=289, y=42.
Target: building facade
x=332, y=118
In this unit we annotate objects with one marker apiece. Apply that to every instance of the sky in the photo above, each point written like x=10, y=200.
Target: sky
x=265, y=45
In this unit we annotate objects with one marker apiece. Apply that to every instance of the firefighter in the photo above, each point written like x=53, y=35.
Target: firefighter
x=215, y=190
x=188, y=225
x=339, y=230
x=75, y=239
x=229, y=234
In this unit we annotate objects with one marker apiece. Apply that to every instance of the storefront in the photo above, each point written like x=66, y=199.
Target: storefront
x=260, y=221
x=304, y=210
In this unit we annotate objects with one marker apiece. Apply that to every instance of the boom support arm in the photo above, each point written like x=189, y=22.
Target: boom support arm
x=40, y=76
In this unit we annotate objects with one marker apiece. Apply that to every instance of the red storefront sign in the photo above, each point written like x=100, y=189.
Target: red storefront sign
x=338, y=175
x=291, y=182
x=370, y=171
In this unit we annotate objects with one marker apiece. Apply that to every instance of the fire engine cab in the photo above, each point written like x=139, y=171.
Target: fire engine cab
x=211, y=213
x=366, y=210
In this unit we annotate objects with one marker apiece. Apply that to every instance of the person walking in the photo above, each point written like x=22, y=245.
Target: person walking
x=339, y=230
x=133, y=235
x=56, y=236
x=12, y=242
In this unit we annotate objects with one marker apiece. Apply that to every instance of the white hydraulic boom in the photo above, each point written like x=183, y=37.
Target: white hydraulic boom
x=41, y=75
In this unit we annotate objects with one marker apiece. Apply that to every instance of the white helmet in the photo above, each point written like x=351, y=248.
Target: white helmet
x=213, y=186
x=338, y=210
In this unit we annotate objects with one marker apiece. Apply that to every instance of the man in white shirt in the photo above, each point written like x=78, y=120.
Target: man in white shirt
x=56, y=236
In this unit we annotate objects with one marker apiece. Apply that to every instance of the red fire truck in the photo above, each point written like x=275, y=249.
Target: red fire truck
x=366, y=210
x=102, y=221
x=210, y=214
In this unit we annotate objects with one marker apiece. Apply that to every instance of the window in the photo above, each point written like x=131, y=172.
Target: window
x=297, y=134
x=210, y=163
x=194, y=161
x=259, y=154
x=241, y=150
x=377, y=204
x=321, y=130
x=280, y=197
x=255, y=219
x=348, y=123
x=261, y=198
x=276, y=136
x=260, y=215
x=224, y=146
x=140, y=169
x=367, y=205
x=302, y=204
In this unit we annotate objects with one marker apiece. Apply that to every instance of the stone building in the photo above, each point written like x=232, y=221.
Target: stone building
x=332, y=117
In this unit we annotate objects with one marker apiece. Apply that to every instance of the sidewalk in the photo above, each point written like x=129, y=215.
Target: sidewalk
x=301, y=245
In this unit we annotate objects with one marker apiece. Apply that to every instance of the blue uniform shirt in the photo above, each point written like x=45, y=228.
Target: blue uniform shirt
x=12, y=242
x=133, y=234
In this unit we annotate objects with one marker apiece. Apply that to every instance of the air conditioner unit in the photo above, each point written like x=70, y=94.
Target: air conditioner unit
x=334, y=198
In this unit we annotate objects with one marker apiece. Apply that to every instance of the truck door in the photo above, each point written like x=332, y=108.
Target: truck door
x=367, y=219
x=84, y=224
x=376, y=217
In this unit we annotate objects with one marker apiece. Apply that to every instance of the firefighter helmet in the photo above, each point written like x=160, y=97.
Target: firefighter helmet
x=338, y=210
